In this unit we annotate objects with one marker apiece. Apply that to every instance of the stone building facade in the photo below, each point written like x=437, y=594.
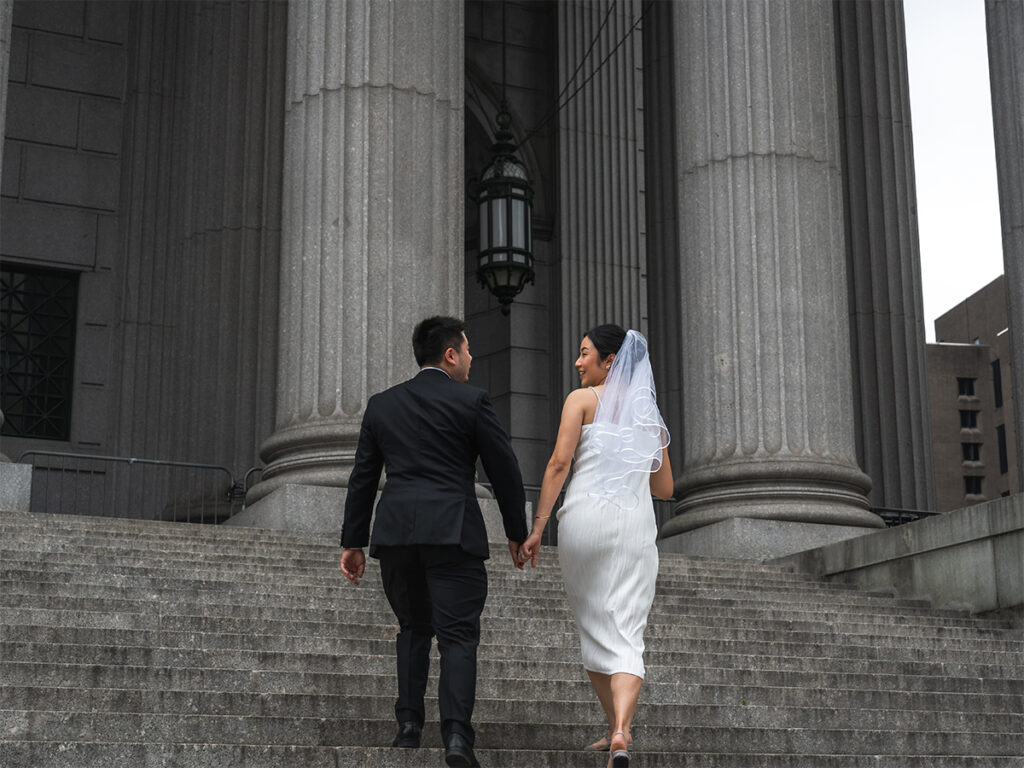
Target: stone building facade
x=973, y=415
x=255, y=201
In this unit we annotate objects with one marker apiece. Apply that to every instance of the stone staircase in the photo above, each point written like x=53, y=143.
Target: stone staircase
x=126, y=643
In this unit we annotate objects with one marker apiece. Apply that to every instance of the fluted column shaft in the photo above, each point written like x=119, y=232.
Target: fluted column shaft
x=601, y=173
x=766, y=366
x=372, y=223
x=890, y=382
x=201, y=230
x=662, y=220
x=1005, y=23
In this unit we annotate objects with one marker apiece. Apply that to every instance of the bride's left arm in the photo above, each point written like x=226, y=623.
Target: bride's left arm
x=662, y=484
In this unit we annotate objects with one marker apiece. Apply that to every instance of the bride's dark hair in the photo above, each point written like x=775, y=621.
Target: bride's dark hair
x=606, y=338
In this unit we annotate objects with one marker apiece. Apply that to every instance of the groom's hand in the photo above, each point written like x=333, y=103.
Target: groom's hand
x=513, y=548
x=353, y=563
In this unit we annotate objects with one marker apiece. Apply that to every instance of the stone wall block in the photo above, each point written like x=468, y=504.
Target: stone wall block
x=65, y=17
x=76, y=65
x=42, y=116
x=59, y=176
x=54, y=234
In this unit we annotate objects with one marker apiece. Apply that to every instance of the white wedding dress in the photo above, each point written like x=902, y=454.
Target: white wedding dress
x=609, y=560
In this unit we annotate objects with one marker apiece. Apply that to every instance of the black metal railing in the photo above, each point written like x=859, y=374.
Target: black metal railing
x=119, y=486
x=894, y=517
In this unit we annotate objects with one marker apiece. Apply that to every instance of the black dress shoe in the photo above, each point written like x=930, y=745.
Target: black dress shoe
x=408, y=736
x=459, y=753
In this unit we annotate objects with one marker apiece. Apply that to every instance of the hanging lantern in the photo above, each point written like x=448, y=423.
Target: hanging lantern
x=505, y=200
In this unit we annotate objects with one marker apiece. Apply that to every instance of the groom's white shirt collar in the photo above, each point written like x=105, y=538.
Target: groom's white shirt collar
x=435, y=368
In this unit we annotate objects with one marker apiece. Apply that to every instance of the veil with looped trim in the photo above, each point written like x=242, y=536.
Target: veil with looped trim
x=628, y=431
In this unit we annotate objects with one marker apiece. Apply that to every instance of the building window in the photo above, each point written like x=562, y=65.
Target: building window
x=37, y=342
x=972, y=451
x=968, y=419
x=1004, y=462
x=997, y=384
x=972, y=485
x=965, y=387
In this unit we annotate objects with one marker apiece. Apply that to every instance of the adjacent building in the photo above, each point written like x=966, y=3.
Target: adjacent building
x=972, y=408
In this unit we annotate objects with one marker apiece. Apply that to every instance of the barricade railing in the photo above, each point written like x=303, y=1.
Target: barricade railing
x=119, y=486
x=894, y=517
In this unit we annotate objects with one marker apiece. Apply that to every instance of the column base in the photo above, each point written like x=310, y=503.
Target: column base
x=743, y=538
x=321, y=509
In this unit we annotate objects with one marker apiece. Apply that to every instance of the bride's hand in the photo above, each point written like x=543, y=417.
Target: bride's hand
x=530, y=549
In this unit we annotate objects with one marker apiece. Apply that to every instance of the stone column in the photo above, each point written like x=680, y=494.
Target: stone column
x=603, y=268
x=890, y=380
x=1005, y=22
x=6, y=14
x=662, y=221
x=372, y=228
x=200, y=229
x=766, y=356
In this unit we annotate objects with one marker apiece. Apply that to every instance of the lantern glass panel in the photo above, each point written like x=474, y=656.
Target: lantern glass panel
x=499, y=232
x=518, y=223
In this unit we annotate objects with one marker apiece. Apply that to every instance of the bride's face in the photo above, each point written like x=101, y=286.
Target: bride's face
x=591, y=370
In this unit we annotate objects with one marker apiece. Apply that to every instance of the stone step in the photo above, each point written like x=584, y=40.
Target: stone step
x=230, y=729
x=494, y=641
x=499, y=570
x=61, y=550
x=328, y=622
x=131, y=531
x=693, y=603
x=378, y=656
x=929, y=712
x=577, y=690
x=25, y=754
x=321, y=681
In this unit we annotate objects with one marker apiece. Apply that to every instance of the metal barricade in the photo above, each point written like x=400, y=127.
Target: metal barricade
x=142, y=489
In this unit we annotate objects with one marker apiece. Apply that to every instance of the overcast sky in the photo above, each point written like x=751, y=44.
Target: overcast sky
x=954, y=157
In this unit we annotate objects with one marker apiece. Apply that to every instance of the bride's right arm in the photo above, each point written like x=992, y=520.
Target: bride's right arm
x=569, y=430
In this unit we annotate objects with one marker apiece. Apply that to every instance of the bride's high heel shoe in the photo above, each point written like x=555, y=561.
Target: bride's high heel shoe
x=619, y=749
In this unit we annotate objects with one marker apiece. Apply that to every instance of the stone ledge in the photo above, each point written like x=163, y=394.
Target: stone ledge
x=747, y=538
x=972, y=558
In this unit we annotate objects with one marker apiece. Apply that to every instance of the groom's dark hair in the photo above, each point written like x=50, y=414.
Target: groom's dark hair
x=433, y=336
x=606, y=339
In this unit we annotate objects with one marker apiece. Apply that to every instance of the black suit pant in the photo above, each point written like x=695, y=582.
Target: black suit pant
x=436, y=590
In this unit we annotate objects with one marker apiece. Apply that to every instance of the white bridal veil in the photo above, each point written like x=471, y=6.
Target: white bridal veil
x=628, y=430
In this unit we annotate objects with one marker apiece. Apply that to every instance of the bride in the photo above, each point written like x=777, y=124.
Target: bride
x=606, y=528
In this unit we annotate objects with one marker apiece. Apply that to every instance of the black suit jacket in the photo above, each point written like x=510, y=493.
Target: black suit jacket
x=427, y=434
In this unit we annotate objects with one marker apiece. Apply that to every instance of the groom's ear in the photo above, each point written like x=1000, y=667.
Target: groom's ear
x=451, y=356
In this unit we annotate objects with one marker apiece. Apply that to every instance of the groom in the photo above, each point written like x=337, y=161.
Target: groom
x=429, y=534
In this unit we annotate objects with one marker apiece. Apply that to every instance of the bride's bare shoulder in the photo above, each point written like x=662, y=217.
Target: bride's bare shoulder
x=580, y=396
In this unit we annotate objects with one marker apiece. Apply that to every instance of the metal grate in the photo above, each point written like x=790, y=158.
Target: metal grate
x=37, y=342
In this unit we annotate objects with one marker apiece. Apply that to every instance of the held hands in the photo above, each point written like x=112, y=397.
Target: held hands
x=515, y=549
x=529, y=549
x=353, y=563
